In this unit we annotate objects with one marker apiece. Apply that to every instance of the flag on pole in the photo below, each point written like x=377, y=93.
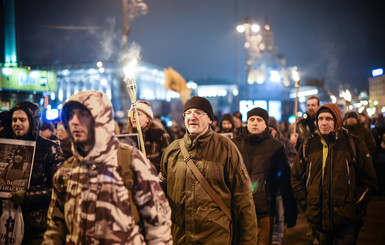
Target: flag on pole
x=177, y=83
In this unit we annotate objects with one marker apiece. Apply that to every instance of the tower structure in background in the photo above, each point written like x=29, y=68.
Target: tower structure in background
x=10, y=51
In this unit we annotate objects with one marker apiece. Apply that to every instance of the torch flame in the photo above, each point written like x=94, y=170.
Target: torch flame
x=131, y=61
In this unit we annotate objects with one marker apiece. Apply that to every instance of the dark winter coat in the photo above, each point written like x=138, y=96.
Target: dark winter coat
x=267, y=164
x=156, y=141
x=48, y=156
x=365, y=135
x=305, y=128
x=337, y=194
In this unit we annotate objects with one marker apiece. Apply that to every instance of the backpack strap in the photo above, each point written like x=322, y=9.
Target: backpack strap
x=127, y=174
x=214, y=196
x=353, y=148
x=305, y=152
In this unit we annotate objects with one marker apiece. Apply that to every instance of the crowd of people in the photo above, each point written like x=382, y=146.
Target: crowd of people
x=208, y=181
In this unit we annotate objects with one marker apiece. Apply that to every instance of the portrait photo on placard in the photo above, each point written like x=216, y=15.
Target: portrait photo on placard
x=16, y=163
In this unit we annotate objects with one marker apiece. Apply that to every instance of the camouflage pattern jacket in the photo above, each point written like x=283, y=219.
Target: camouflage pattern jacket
x=90, y=202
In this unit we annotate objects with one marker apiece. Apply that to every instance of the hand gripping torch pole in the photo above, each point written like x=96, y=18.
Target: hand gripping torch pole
x=131, y=87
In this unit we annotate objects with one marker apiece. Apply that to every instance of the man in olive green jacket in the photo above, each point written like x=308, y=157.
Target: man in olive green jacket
x=196, y=218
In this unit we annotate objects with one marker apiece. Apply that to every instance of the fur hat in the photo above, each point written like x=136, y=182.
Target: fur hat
x=334, y=110
x=200, y=103
x=145, y=107
x=259, y=112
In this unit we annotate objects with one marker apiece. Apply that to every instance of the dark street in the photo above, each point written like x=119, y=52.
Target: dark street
x=372, y=233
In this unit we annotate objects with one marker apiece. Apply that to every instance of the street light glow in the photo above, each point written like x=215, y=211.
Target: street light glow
x=274, y=76
x=255, y=28
x=241, y=28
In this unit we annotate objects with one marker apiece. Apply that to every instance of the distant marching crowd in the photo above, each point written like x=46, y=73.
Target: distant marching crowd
x=208, y=181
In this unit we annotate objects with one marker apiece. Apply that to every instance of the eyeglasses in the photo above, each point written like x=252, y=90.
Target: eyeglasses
x=198, y=114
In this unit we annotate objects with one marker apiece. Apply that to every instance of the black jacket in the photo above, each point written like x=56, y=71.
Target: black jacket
x=334, y=195
x=267, y=164
x=48, y=156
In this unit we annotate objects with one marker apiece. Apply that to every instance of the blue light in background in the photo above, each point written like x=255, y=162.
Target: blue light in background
x=292, y=119
x=377, y=72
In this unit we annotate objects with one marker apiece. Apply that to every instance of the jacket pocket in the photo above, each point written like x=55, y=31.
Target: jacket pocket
x=313, y=210
x=343, y=212
x=261, y=196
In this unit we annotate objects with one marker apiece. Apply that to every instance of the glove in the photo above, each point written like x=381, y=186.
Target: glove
x=18, y=197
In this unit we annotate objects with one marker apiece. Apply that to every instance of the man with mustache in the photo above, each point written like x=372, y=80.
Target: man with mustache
x=196, y=217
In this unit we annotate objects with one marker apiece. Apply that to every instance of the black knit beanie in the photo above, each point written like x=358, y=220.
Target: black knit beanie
x=259, y=112
x=199, y=103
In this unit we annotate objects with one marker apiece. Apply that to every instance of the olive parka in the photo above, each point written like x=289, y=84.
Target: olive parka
x=196, y=218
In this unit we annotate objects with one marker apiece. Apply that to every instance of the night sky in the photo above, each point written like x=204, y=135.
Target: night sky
x=338, y=41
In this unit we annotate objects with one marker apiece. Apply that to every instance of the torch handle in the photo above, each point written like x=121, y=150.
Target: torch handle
x=296, y=106
x=139, y=131
x=132, y=95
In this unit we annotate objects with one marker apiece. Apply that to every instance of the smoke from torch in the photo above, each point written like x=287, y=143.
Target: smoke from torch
x=131, y=62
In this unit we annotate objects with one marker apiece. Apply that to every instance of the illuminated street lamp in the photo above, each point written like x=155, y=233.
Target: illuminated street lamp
x=251, y=45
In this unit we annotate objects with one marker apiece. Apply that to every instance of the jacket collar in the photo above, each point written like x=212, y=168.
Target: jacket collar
x=191, y=142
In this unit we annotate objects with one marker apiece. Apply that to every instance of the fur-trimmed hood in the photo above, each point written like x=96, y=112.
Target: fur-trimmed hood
x=101, y=110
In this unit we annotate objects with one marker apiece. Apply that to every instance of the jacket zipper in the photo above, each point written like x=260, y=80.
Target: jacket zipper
x=331, y=186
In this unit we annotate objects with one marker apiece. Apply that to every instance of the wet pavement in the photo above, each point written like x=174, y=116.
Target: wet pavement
x=372, y=233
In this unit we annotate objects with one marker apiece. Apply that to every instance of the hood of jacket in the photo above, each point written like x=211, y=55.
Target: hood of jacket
x=33, y=113
x=255, y=138
x=334, y=110
x=100, y=107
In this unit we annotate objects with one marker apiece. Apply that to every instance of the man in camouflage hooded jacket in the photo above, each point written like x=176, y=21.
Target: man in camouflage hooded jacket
x=90, y=202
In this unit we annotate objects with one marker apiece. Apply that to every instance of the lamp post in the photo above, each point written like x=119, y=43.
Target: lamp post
x=131, y=9
x=251, y=46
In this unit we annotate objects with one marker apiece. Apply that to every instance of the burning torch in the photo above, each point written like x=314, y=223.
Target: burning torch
x=129, y=79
